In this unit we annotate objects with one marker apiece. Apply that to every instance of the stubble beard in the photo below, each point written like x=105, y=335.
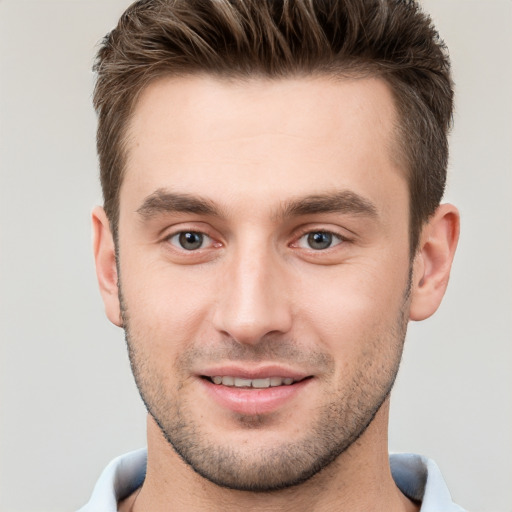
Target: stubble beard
x=339, y=423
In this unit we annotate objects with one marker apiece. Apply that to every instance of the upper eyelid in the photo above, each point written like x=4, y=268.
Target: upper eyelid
x=334, y=233
x=184, y=227
x=172, y=234
x=341, y=239
x=305, y=230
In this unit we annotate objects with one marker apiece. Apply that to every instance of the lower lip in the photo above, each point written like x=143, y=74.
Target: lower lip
x=252, y=401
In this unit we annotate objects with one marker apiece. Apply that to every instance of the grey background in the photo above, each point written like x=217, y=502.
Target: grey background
x=68, y=404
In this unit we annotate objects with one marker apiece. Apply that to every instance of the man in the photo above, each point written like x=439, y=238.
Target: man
x=272, y=175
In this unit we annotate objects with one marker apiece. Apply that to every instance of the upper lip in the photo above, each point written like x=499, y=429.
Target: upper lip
x=259, y=372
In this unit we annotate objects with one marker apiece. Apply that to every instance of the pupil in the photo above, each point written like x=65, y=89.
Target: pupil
x=190, y=240
x=319, y=240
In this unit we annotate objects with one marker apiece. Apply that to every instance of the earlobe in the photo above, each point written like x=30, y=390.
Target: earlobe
x=433, y=261
x=106, y=270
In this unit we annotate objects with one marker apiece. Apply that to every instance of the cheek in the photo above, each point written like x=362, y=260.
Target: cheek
x=166, y=307
x=361, y=325
x=354, y=303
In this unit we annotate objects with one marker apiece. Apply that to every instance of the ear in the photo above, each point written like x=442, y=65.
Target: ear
x=433, y=261
x=106, y=270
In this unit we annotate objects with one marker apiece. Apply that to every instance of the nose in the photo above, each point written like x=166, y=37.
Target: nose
x=253, y=297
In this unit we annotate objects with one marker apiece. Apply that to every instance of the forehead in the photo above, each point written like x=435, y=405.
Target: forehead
x=207, y=135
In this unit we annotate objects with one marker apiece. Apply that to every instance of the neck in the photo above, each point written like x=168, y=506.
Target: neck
x=358, y=480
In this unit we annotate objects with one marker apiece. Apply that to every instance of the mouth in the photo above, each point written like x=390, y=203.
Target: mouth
x=255, y=392
x=260, y=383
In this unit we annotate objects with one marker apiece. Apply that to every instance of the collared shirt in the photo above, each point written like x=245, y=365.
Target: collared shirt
x=416, y=476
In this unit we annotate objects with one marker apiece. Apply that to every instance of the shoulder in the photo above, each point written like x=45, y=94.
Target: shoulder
x=420, y=479
x=117, y=481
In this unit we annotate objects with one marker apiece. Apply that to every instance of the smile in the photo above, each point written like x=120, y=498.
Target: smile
x=254, y=394
x=238, y=382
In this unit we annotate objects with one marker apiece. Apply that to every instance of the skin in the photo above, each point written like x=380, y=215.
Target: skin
x=248, y=163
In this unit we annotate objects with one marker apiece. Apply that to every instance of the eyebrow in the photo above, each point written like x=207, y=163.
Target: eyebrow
x=345, y=202
x=163, y=201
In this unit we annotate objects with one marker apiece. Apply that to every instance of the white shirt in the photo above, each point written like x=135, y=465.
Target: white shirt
x=416, y=476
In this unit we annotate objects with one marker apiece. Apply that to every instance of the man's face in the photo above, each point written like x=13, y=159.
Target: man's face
x=264, y=269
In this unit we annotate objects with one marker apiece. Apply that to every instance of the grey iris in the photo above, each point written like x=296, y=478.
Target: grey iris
x=191, y=240
x=319, y=240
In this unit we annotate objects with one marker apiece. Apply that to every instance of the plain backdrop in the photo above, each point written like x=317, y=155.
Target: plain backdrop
x=68, y=403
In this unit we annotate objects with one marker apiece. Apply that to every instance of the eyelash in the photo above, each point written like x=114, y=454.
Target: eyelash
x=185, y=232
x=308, y=231
x=333, y=239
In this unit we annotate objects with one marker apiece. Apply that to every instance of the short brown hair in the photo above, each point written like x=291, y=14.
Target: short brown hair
x=392, y=39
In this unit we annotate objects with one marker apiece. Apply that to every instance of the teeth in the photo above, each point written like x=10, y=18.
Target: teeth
x=261, y=383
x=241, y=383
x=252, y=383
x=276, y=381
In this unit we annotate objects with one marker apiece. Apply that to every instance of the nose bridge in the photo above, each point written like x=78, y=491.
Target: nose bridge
x=253, y=299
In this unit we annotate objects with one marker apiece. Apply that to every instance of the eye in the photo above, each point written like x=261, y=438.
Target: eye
x=190, y=240
x=319, y=240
